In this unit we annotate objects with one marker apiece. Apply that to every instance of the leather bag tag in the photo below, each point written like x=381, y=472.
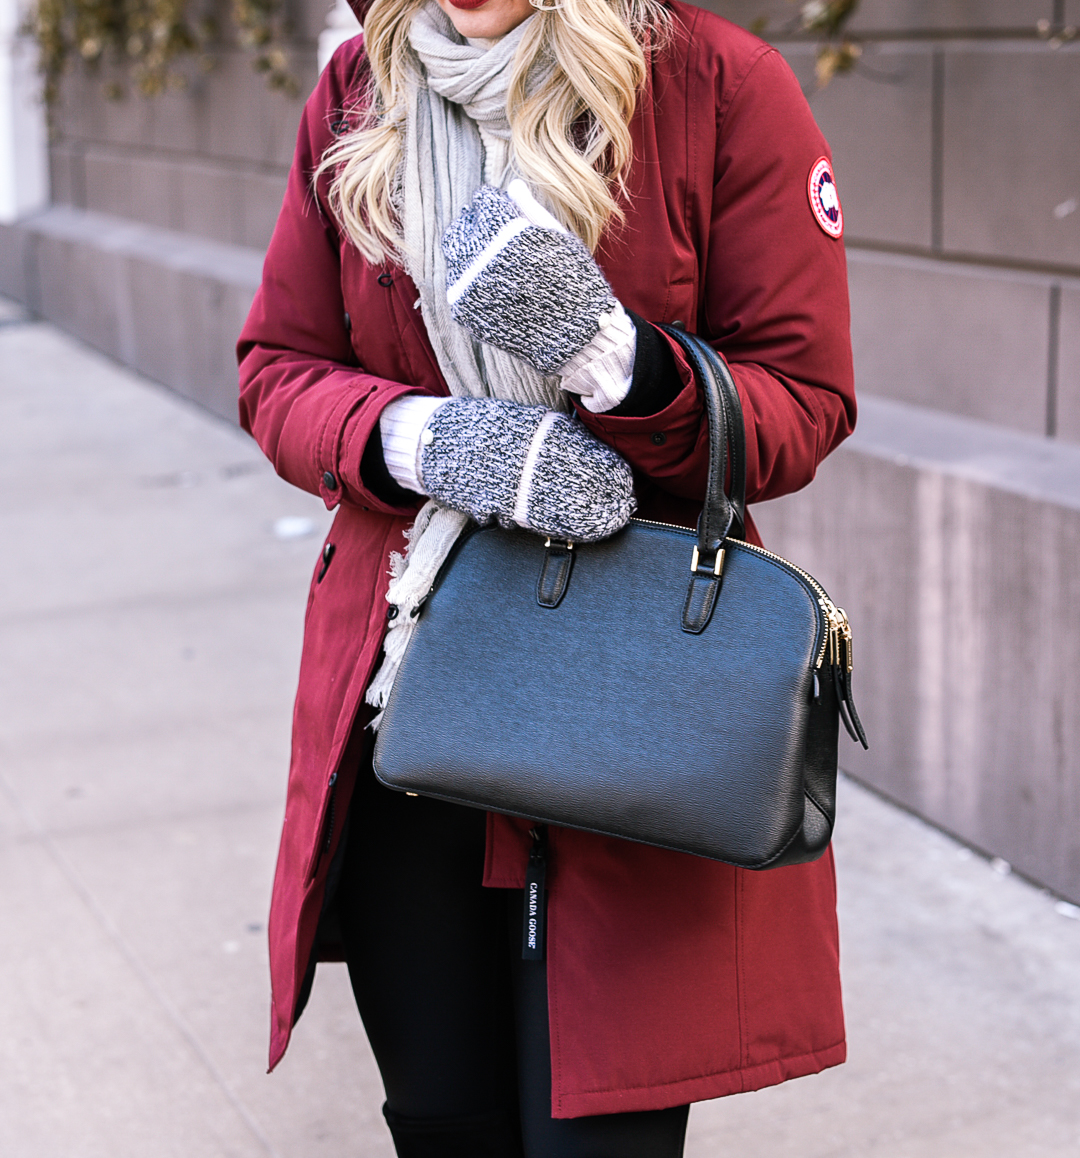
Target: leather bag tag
x=532, y=932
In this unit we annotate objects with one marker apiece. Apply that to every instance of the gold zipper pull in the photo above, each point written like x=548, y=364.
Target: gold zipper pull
x=834, y=636
x=842, y=676
x=829, y=644
x=848, y=657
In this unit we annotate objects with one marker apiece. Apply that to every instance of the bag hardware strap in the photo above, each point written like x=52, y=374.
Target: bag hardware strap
x=723, y=515
x=555, y=572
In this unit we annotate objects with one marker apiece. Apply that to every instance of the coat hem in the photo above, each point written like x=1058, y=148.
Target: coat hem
x=279, y=1043
x=702, y=1089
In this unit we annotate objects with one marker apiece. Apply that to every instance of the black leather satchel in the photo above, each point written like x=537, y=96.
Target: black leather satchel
x=677, y=688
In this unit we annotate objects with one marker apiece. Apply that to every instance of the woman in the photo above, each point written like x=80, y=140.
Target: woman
x=681, y=152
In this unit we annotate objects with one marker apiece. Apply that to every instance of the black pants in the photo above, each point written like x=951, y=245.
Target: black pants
x=457, y=1021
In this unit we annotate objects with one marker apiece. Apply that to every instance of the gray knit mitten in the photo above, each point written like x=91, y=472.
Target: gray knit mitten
x=525, y=466
x=531, y=290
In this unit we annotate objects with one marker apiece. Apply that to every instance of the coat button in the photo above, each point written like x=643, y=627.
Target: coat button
x=333, y=779
x=329, y=481
x=659, y=438
x=327, y=555
x=348, y=324
x=386, y=280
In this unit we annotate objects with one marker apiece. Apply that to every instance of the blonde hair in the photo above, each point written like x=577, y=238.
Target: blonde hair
x=570, y=137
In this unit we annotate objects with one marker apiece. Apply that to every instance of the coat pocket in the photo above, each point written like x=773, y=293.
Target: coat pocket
x=324, y=830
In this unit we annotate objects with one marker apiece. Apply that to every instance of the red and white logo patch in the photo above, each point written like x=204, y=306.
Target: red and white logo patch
x=824, y=199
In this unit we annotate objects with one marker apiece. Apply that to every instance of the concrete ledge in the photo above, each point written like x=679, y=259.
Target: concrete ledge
x=1035, y=468
x=971, y=339
x=165, y=303
x=953, y=545
x=234, y=202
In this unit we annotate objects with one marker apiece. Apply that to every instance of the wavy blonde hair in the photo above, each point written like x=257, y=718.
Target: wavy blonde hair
x=571, y=137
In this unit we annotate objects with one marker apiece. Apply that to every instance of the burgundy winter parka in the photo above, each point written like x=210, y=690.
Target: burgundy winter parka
x=670, y=978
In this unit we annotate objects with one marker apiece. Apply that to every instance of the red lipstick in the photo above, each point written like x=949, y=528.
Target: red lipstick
x=468, y=5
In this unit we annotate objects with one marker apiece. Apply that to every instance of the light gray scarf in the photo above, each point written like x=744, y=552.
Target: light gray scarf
x=459, y=90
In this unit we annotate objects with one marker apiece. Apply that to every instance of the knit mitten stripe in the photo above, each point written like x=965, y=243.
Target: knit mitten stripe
x=524, y=492
x=473, y=461
x=485, y=257
x=525, y=466
x=522, y=197
x=578, y=493
x=535, y=293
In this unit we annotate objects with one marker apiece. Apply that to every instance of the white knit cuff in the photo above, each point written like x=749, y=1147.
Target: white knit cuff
x=401, y=426
x=602, y=372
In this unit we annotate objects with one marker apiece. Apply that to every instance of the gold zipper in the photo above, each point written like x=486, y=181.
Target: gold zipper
x=836, y=638
x=846, y=637
x=670, y=526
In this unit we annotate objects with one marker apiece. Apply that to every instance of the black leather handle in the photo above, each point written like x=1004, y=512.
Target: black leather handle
x=736, y=432
x=724, y=513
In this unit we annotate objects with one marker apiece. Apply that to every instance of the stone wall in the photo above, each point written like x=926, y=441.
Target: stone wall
x=953, y=545
x=210, y=161
x=161, y=210
x=949, y=524
x=961, y=187
x=951, y=520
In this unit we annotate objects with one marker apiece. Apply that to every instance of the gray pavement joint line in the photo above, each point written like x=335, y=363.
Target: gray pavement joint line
x=107, y=925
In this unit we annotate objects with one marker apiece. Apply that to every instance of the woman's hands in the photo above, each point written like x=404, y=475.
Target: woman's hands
x=525, y=466
x=519, y=281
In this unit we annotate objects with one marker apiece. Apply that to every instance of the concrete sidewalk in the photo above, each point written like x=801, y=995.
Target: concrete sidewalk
x=154, y=572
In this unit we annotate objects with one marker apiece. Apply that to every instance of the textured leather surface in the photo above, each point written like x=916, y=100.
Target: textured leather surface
x=707, y=743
